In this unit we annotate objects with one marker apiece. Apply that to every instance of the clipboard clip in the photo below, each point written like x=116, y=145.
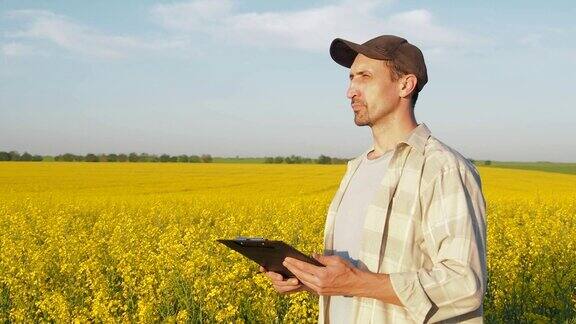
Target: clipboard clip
x=251, y=241
x=246, y=238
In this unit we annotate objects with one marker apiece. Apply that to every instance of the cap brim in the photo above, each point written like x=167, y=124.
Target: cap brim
x=344, y=52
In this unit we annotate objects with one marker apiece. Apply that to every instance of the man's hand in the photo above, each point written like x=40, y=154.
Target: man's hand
x=338, y=277
x=341, y=278
x=284, y=286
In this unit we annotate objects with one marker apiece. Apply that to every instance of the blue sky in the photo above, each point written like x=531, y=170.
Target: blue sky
x=254, y=78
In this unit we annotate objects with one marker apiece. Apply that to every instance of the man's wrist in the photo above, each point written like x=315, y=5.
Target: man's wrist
x=376, y=286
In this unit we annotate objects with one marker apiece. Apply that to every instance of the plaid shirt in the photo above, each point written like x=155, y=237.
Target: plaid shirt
x=426, y=227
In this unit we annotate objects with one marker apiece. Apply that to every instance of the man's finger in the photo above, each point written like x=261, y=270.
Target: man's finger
x=284, y=290
x=289, y=282
x=327, y=259
x=303, y=266
x=301, y=275
x=274, y=276
x=312, y=286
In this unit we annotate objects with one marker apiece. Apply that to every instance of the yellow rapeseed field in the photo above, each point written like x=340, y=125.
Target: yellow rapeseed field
x=132, y=242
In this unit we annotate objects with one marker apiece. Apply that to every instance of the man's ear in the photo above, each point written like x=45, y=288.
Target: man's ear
x=408, y=84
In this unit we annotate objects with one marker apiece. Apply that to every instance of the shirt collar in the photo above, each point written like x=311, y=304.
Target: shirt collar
x=417, y=139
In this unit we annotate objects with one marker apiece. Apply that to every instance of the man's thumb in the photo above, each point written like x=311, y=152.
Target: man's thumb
x=324, y=259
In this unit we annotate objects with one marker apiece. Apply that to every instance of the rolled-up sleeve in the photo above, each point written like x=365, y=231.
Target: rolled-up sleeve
x=454, y=231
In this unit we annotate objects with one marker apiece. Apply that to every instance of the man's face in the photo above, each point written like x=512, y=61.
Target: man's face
x=372, y=92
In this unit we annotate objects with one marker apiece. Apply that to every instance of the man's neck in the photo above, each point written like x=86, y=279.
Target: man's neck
x=388, y=133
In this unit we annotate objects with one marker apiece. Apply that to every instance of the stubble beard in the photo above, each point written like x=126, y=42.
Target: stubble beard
x=361, y=118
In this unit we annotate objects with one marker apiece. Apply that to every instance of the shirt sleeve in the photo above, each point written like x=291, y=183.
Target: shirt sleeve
x=454, y=229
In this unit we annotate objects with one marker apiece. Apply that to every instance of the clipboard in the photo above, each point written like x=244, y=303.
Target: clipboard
x=269, y=254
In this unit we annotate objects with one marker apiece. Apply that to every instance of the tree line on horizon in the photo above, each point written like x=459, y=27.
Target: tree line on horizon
x=112, y=157
x=296, y=159
x=15, y=156
x=145, y=157
x=182, y=158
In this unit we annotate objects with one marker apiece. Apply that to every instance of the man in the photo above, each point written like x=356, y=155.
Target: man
x=405, y=233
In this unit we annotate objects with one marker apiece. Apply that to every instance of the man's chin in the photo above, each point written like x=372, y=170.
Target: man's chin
x=360, y=122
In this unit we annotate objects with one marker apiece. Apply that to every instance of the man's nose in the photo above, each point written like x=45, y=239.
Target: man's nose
x=351, y=92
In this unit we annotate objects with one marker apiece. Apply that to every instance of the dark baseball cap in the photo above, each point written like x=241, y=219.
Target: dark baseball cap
x=387, y=48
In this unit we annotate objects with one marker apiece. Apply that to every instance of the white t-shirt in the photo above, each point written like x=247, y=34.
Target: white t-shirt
x=350, y=221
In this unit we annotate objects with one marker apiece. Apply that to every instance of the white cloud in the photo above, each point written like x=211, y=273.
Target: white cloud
x=533, y=40
x=419, y=26
x=192, y=16
x=188, y=23
x=551, y=37
x=67, y=34
x=308, y=29
x=14, y=49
